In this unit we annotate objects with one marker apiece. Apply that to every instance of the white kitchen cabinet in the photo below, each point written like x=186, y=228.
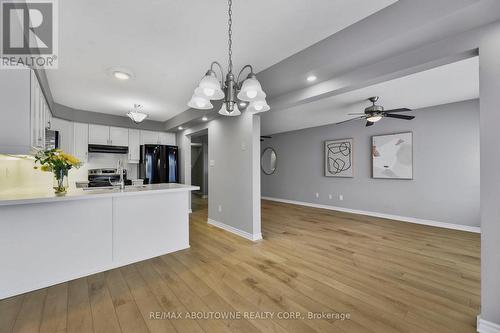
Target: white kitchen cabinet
x=98, y=135
x=24, y=112
x=37, y=113
x=167, y=138
x=48, y=117
x=134, y=144
x=66, y=134
x=105, y=135
x=150, y=138
x=118, y=136
x=81, y=141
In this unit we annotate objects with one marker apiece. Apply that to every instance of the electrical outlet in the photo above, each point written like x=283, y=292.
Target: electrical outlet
x=341, y=197
x=317, y=195
x=220, y=209
x=330, y=196
x=212, y=162
x=243, y=146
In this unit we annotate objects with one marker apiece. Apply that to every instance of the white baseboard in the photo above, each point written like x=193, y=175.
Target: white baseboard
x=381, y=215
x=484, y=326
x=241, y=233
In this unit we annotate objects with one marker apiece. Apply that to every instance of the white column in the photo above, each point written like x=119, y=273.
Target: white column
x=489, y=57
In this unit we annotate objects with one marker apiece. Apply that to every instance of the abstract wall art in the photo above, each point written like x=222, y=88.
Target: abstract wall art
x=338, y=158
x=392, y=156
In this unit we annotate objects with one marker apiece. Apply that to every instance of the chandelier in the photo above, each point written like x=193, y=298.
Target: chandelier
x=237, y=96
x=137, y=116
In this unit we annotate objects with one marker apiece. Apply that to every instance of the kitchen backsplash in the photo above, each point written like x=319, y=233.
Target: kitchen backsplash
x=17, y=173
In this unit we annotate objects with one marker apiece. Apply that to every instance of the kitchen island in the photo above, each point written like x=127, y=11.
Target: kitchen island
x=47, y=239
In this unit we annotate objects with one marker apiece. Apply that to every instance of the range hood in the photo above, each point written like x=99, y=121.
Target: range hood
x=108, y=149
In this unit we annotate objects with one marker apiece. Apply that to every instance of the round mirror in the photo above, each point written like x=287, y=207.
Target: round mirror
x=268, y=161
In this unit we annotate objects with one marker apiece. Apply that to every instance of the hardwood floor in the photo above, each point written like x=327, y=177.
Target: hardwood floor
x=386, y=276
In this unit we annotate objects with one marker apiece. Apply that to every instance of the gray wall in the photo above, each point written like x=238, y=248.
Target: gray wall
x=234, y=179
x=445, y=187
x=489, y=66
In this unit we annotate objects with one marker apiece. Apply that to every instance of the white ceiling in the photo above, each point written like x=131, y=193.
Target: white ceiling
x=454, y=82
x=169, y=44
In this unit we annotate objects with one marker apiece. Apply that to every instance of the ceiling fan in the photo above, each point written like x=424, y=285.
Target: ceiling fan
x=374, y=113
x=262, y=137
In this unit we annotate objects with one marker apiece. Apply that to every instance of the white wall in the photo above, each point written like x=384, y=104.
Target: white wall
x=17, y=174
x=489, y=76
x=445, y=187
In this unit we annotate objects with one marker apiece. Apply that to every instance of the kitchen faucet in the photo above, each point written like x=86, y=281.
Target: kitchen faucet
x=121, y=183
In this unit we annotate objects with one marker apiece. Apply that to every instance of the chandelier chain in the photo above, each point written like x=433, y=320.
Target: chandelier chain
x=230, y=34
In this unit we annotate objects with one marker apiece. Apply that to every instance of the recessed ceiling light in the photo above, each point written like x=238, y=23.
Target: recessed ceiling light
x=121, y=75
x=180, y=128
x=204, y=118
x=311, y=78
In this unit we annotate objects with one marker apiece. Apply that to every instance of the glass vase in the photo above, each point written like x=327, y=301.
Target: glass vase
x=60, y=182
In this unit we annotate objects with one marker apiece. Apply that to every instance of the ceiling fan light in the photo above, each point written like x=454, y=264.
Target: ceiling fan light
x=137, y=117
x=374, y=118
x=223, y=110
x=200, y=102
x=258, y=106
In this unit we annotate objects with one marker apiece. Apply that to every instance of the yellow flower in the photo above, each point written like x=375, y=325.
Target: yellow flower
x=45, y=168
x=69, y=158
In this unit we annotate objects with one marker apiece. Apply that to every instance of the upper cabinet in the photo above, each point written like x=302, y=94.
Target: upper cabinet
x=118, y=136
x=150, y=138
x=105, y=135
x=167, y=138
x=66, y=134
x=81, y=141
x=25, y=112
x=157, y=138
x=134, y=145
x=98, y=135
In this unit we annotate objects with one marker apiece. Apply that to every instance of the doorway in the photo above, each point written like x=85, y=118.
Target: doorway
x=199, y=170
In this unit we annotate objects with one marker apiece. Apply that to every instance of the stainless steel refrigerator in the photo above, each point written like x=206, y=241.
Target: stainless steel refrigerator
x=159, y=164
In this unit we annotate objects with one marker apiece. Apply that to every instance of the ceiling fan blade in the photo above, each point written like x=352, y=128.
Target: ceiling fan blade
x=369, y=123
x=399, y=110
x=348, y=120
x=399, y=116
x=355, y=114
x=266, y=137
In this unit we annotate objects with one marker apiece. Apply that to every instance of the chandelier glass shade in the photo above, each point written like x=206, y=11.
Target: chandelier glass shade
x=258, y=106
x=137, y=116
x=232, y=91
x=223, y=110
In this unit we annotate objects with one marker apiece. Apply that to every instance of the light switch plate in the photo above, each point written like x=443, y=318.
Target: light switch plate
x=212, y=163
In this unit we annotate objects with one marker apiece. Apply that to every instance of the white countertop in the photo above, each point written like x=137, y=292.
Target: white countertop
x=31, y=197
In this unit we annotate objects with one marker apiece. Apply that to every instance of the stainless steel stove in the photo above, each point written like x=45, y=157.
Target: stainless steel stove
x=106, y=177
